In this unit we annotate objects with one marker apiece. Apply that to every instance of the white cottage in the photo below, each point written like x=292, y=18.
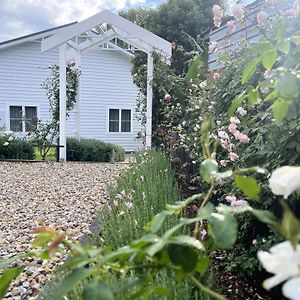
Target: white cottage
x=102, y=46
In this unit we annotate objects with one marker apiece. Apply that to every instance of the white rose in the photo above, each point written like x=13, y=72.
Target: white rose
x=5, y=143
x=283, y=261
x=285, y=180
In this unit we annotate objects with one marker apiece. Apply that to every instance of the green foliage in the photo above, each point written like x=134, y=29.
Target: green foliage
x=93, y=150
x=13, y=148
x=146, y=188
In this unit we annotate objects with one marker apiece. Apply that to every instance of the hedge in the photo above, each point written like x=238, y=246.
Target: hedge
x=93, y=150
x=16, y=148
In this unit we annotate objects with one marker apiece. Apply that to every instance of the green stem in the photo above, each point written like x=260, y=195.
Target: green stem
x=206, y=289
x=197, y=227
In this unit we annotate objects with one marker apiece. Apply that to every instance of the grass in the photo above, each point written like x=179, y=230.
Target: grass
x=51, y=155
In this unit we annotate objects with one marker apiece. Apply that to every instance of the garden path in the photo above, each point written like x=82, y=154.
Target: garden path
x=63, y=196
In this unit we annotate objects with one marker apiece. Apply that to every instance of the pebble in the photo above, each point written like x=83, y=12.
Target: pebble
x=63, y=196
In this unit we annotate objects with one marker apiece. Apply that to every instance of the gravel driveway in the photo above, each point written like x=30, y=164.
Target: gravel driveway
x=62, y=196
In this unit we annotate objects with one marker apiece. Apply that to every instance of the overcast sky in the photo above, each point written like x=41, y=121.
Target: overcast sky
x=20, y=17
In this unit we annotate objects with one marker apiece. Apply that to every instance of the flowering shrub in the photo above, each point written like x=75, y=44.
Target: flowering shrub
x=13, y=148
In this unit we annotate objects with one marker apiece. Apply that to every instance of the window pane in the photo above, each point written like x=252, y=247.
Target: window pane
x=15, y=115
x=125, y=120
x=114, y=115
x=113, y=126
x=30, y=118
x=125, y=126
x=16, y=125
x=15, y=112
x=126, y=115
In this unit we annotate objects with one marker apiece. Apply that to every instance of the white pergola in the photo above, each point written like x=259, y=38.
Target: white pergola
x=106, y=31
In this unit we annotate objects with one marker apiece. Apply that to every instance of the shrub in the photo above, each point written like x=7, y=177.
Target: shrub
x=140, y=193
x=93, y=150
x=12, y=148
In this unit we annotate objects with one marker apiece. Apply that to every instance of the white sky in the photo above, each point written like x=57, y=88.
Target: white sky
x=20, y=17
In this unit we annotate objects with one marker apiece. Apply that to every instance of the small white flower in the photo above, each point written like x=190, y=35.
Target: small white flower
x=285, y=180
x=10, y=138
x=241, y=111
x=203, y=84
x=5, y=143
x=235, y=120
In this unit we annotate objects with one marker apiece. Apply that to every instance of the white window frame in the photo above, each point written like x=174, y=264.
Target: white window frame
x=23, y=105
x=119, y=108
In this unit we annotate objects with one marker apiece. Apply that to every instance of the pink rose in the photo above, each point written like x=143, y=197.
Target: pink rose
x=243, y=138
x=235, y=120
x=261, y=17
x=239, y=12
x=218, y=14
x=216, y=76
x=232, y=128
x=223, y=163
x=72, y=63
x=236, y=134
x=167, y=97
x=218, y=11
x=233, y=156
x=230, y=199
x=239, y=203
x=231, y=25
x=223, y=135
x=241, y=111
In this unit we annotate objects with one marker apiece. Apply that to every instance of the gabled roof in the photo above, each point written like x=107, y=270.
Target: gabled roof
x=123, y=29
x=33, y=36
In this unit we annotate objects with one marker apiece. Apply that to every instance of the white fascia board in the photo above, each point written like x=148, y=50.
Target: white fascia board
x=107, y=16
x=28, y=39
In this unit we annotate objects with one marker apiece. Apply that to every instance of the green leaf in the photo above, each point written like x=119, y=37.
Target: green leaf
x=252, y=95
x=273, y=95
x=249, y=186
x=284, y=46
x=155, y=248
x=41, y=240
x=202, y=265
x=223, y=229
x=189, y=241
x=235, y=104
x=206, y=211
x=265, y=216
x=70, y=282
x=158, y=220
x=7, y=277
x=208, y=169
x=195, y=69
x=250, y=69
x=279, y=109
x=288, y=86
x=183, y=256
x=269, y=59
x=224, y=175
x=290, y=225
x=97, y=290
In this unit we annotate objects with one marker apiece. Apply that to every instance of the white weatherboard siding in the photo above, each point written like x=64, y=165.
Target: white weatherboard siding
x=106, y=82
